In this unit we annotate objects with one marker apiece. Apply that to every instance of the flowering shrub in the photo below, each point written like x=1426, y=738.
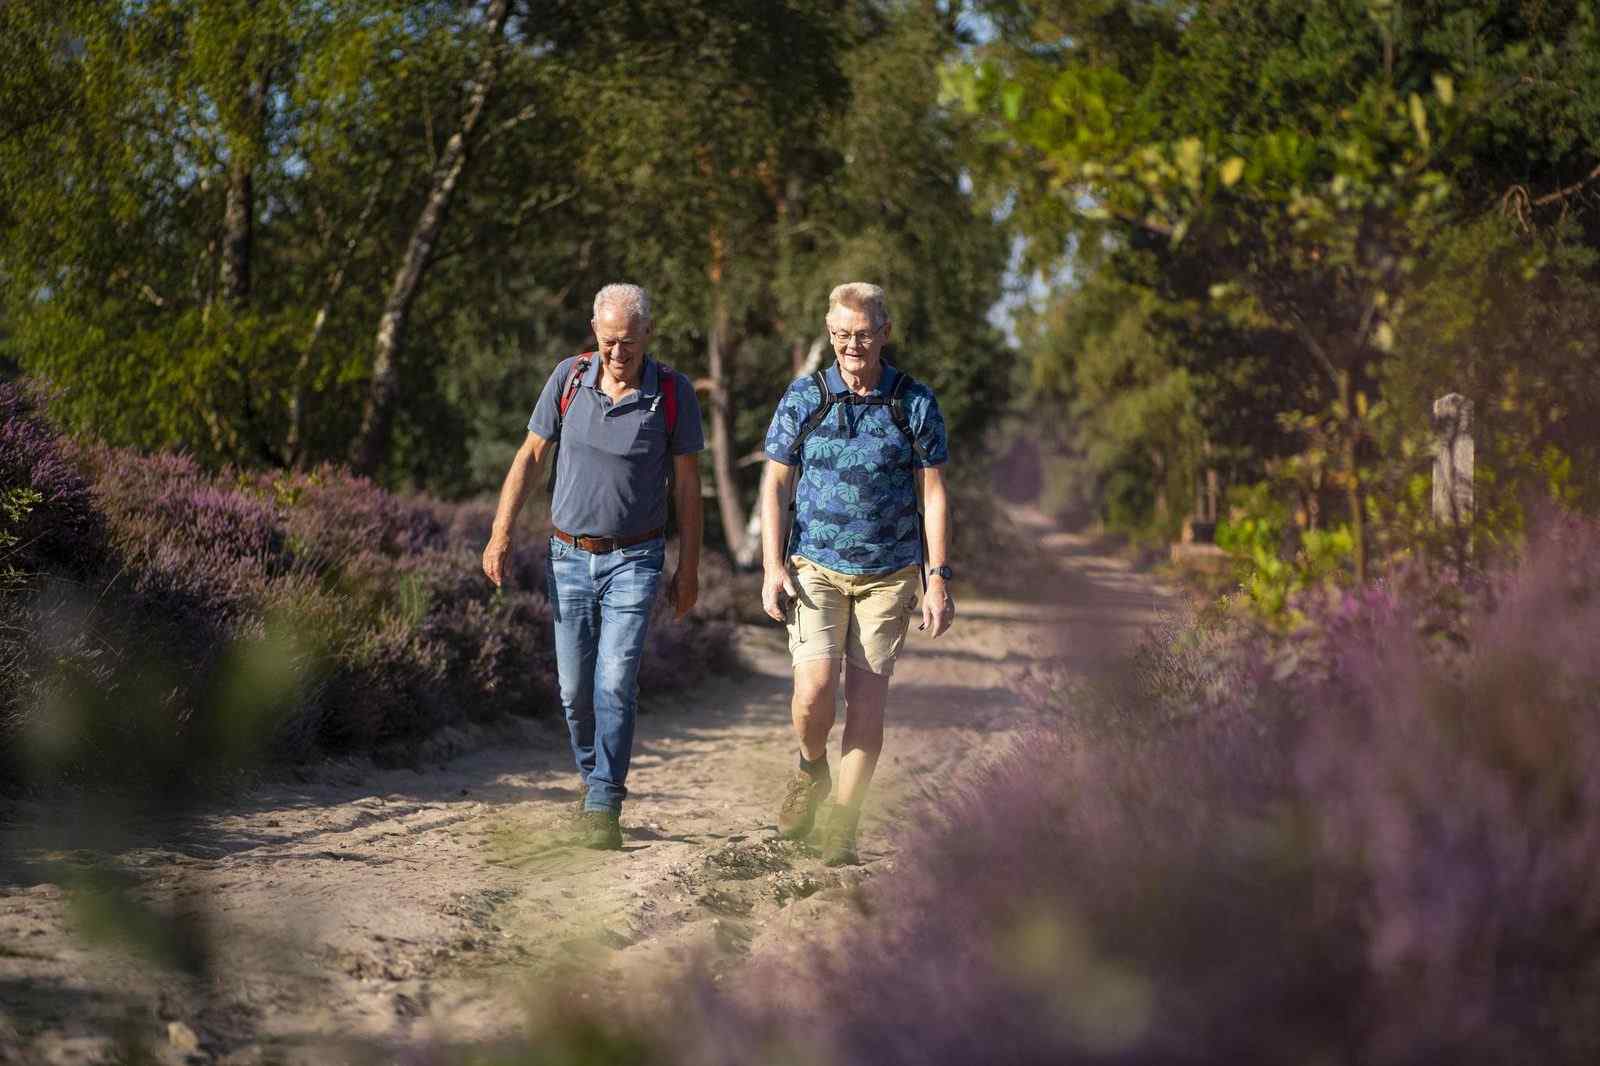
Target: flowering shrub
x=396, y=630
x=1373, y=840
x=61, y=528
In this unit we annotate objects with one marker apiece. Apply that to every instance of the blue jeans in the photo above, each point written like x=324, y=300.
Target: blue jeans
x=602, y=607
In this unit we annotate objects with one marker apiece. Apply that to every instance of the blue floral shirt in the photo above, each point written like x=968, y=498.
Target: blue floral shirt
x=856, y=501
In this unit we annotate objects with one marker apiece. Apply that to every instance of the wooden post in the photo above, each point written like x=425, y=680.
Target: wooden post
x=1453, y=460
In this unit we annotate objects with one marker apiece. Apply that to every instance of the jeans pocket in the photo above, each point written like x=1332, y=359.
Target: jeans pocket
x=652, y=554
x=558, y=548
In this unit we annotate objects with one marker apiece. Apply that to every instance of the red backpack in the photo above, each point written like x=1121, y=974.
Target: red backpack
x=667, y=396
x=665, y=376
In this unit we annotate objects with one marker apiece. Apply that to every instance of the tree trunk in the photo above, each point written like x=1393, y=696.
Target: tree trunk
x=372, y=440
x=1352, y=480
x=239, y=210
x=238, y=225
x=719, y=356
x=1158, y=486
x=302, y=372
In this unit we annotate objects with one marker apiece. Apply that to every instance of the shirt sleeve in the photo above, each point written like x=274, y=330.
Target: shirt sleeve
x=688, y=434
x=546, y=417
x=927, y=424
x=785, y=427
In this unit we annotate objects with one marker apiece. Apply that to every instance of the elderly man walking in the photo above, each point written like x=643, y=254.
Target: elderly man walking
x=623, y=422
x=854, y=447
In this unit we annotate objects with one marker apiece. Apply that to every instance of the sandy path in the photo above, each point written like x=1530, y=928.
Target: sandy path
x=396, y=907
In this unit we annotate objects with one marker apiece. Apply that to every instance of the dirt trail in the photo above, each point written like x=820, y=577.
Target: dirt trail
x=395, y=907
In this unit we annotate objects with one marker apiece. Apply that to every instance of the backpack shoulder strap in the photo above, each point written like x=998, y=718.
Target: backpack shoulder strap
x=814, y=419
x=902, y=421
x=667, y=382
x=574, y=380
x=580, y=367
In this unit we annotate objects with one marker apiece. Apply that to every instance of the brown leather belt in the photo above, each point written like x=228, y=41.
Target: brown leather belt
x=601, y=545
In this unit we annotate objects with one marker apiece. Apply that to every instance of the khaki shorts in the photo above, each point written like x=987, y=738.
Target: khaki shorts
x=858, y=617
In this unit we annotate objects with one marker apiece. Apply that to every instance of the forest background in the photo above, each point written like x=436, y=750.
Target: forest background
x=280, y=279
x=1242, y=243
x=1258, y=238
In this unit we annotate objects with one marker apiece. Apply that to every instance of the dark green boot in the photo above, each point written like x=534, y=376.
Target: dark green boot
x=802, y=795
x=839, y=838
x=602, y=831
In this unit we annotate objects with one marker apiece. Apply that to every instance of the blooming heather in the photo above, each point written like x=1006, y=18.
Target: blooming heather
x=396, y=631
x=1376, y=840
x=63, y=531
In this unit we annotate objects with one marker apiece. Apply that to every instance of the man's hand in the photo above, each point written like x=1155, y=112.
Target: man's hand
x=774, y=583
x=494, y=558
x=683, y=591
x=938, y=609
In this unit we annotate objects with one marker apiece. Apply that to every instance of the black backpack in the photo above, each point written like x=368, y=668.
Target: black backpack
x=830, y=401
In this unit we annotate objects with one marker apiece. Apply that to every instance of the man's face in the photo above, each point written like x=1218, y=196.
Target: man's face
x=622, y=339
x=856, y=341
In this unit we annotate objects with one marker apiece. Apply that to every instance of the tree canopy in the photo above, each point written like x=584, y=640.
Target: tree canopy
x=1291, y=225
x=282, y=232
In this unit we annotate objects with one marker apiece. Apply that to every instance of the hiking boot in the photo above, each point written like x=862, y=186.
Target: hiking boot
x=575, y=816
x=602, y=831
x=801, y=797
x=839, y=838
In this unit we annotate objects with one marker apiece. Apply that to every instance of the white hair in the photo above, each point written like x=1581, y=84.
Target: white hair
x=631, y=300
x=861, y=296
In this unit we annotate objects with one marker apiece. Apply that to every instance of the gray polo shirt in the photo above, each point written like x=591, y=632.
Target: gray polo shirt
x=611, y=470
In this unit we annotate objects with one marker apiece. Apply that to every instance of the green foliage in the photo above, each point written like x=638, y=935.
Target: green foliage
x=1274, y=560
x=679, y=145
x=1324, y=215
x=16, y=503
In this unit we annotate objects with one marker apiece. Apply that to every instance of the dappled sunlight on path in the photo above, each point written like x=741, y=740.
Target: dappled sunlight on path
x=408, y=904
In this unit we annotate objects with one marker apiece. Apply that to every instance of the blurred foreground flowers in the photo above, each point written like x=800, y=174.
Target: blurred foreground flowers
x=1375, y=840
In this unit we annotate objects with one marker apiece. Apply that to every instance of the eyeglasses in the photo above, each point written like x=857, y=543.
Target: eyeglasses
x=861, y=339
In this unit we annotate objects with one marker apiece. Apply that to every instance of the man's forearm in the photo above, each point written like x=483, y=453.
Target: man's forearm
x=513, y=492
x=691, y=522
x=936, y=524
x=774, y=519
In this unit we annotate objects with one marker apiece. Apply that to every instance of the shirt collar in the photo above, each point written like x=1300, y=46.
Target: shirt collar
x=649, y=380
x=836, y=380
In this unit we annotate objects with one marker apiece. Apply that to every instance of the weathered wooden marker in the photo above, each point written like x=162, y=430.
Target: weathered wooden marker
x=1453, y=459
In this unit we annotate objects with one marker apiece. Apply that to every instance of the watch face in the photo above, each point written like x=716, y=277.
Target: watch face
x=941, y=571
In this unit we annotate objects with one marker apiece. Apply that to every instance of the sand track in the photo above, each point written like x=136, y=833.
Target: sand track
x=372, y=908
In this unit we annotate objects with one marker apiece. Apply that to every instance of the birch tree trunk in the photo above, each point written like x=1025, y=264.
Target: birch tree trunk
x=372, y=440
x=238, y=228
x=302, y=371
x=1352, y=472
x=718, y=360
x=239, y=206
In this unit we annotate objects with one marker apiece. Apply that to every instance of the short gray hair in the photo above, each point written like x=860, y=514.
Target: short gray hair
x=631, y=300
x=861, y=296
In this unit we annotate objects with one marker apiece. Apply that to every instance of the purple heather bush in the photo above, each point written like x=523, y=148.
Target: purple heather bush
x=1376, y=840
x=396, y=631
x=63, y=531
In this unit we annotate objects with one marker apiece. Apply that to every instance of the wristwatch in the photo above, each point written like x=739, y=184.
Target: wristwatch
x=941, y=571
